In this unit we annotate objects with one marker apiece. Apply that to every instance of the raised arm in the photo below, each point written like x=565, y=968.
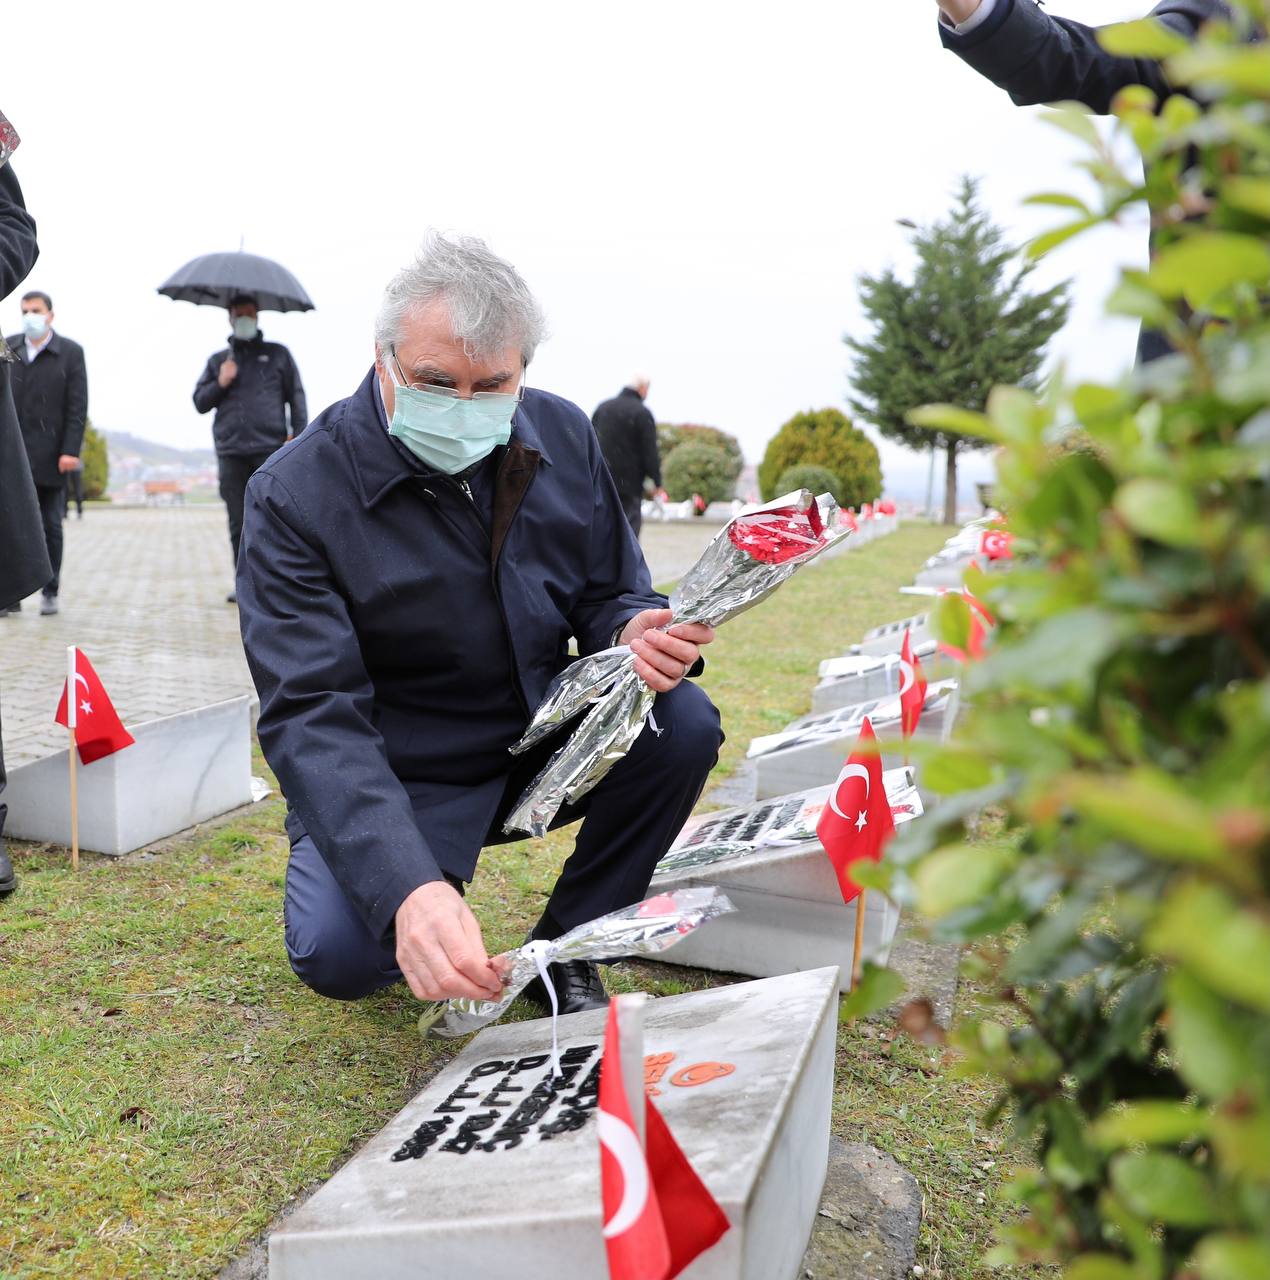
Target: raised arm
x=1037, y=57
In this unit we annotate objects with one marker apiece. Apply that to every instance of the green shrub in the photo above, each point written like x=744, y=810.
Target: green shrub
x=1119, y=725
x=698, y=468
x=824, y=438
x=96, y=463
x=671, y=435
x=808, y=476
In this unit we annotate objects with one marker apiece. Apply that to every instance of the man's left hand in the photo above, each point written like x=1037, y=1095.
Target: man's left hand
x=67, y=462
x=663, y=658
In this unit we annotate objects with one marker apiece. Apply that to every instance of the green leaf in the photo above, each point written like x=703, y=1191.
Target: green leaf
x=1152, y=1123
x=1212, y=1054
x=1146, y=809
x=1100, y=1266
x=1057, y=651
x=950, y=620
x=1207, y=263
x=948, y=417
x=960, y=875
x=877, y=988
x=1060, y=200
x=1015, y=413
x=1224, y=943
x=954, y=769
x=1055, y=236
x=1133, y=297
x=1160, y=510
x=1146, y=38
x=1164, y=1188
x=1232, y=1257
x=1070, y=1161
x=1248, y=193
x=1241, y=68
x=1075, y=119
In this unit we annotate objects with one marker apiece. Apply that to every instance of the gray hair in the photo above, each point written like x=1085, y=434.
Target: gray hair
x=490, y=305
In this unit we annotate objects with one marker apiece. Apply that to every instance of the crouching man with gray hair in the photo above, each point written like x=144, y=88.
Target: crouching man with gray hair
x=413, y=568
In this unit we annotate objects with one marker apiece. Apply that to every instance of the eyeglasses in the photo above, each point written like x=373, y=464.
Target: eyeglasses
x=492, y=399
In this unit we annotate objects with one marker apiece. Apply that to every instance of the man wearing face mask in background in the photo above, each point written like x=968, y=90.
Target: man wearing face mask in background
x=252, y=385
x=50, y=391
x=413, y=568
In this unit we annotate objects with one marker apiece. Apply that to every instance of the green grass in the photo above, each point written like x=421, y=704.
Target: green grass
x=166, y=1085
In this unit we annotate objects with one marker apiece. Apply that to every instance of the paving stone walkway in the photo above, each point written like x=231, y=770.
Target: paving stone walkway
x=143, y=594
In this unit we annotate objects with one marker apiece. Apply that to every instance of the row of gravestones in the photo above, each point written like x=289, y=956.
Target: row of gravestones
x=492, y=1171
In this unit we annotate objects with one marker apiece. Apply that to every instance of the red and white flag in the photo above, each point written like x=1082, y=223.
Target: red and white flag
x=98, y=730
x=995, y=544
x=981, y=622
x=857, y=822
x=912, y=688
x=658, y=1214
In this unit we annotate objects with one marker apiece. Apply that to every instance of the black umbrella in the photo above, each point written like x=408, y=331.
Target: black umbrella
x=215, y=278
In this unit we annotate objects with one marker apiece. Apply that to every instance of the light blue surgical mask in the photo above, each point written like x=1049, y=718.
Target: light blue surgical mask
x=35, y=325
x=444, y=432
x=246, y=327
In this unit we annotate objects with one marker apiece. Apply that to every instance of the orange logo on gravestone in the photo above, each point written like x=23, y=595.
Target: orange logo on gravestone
x=701, y=1073
x=656, y=1065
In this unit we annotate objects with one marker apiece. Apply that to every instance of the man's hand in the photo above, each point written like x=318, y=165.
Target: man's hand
x=227, y=372
x=958, y=10
x=67, y=462
x=663, y=658
x=439, y=947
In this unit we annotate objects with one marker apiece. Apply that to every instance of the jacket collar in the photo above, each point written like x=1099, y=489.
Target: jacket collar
x=380, y=463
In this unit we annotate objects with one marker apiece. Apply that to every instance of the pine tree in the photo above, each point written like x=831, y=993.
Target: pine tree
x=96, y=463
x=964, y=324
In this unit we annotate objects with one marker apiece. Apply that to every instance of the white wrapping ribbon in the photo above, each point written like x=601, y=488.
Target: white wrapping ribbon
x=652, y=723
x=540, y=951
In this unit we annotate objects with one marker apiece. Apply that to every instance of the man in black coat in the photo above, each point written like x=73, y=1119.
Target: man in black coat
x=50, y=391
x=628, y=440
x=1037, y=57
x=24, y=562
x=253, y=385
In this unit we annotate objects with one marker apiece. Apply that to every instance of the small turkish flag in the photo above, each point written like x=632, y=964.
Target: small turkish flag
x=857, y=822
x=658, y=1214
x=866, y=511
x=912, y=688
x=995, y=544
x=847, y=517
x=98, y=729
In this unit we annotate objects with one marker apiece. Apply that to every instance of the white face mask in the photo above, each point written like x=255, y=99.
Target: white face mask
x=245, y=327
x=35, y=324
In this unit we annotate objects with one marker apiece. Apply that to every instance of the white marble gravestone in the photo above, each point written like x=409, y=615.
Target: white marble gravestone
x=789, y=910
x=181, y=770
x=889, y=638
x=498, y=1171
x=811, y=750
x=857, y=677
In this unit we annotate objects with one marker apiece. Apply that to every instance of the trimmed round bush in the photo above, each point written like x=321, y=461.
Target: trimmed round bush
x=824, y=438
x=671, y=435
x=698, y=468
x=806, y=475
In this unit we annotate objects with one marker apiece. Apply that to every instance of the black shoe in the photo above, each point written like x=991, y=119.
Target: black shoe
x=8, y=877
x=48, y=606
x=578, y=987
x=232, y=598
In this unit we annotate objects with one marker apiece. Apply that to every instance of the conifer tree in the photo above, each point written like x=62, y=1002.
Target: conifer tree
x=965, y=323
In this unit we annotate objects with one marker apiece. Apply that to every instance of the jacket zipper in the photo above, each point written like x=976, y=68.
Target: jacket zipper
x=498, y=598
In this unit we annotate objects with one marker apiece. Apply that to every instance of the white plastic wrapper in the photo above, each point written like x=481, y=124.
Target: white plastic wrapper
x=644, y=929
x=748, y=559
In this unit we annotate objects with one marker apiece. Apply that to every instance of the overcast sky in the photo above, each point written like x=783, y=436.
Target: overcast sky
x=690, y=188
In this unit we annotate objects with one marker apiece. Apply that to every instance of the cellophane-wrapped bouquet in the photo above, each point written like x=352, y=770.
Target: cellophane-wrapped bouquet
x=749, y=558
x=645, y=929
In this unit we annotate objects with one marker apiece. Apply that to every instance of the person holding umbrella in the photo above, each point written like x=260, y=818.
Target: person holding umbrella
x=253, y=385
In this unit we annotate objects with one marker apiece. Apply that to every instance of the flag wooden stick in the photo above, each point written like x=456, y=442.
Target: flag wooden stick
x=74, y=752
x=856, y=958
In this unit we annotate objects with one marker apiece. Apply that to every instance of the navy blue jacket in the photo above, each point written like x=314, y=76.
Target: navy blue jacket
x=251, y=413
x=1037, y=57
x=399, y=635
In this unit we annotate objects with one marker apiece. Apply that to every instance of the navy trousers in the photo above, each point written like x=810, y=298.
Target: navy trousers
x=630, y=820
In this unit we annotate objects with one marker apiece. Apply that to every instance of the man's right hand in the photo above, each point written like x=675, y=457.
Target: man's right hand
x=958, y=10
x=439, y=946
x=227, y=373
